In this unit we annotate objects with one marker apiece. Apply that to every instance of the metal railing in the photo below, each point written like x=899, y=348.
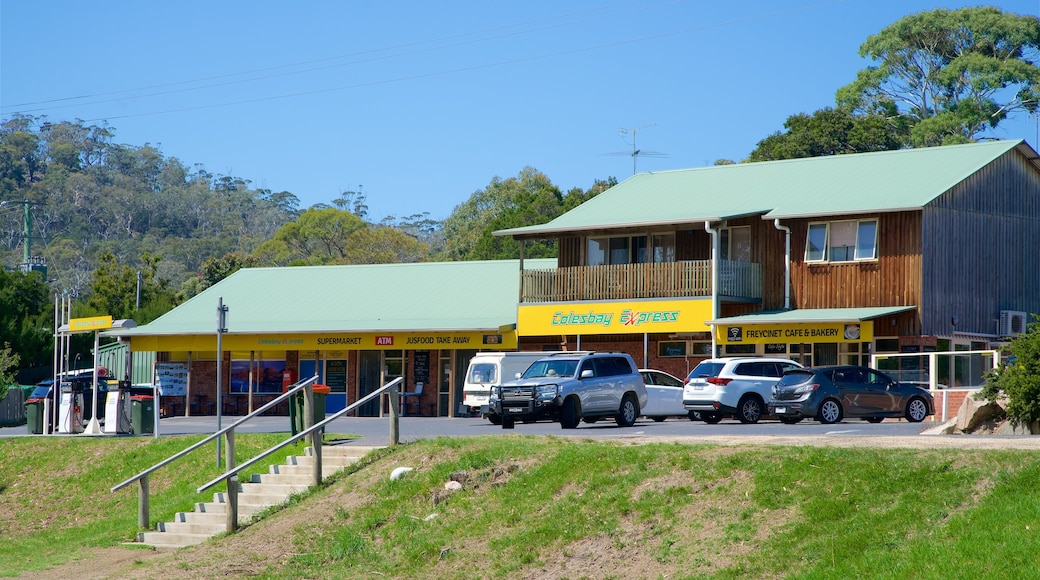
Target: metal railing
x=644, y=280
x=231, y=476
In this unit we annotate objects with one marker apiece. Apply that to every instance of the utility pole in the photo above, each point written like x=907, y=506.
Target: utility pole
x=29, y=262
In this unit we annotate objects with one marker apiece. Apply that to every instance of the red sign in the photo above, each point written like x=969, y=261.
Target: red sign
x=384, y=341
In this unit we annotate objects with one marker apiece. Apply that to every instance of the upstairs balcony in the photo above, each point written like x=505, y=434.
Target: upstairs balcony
x=639, y=281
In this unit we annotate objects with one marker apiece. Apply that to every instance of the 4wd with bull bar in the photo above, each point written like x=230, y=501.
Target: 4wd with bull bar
x=571, y=387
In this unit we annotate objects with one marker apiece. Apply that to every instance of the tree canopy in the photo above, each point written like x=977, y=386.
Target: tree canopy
x=953, y=73
x=833, y=131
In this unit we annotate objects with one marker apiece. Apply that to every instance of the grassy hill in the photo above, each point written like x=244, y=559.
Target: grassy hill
x=544, y=507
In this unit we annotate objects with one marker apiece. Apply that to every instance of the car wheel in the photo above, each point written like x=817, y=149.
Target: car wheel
x=658, y=419
x=916, y=410
x=628, y=412
x=570, y=415
x=694, y=416
x=711, y=418
x=875, y=419
x=508, y=423
x=750, y=409
x=790, y=420
x=830, y=412
x=495, y=418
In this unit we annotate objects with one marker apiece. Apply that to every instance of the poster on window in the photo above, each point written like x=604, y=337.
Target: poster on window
x=171, y=378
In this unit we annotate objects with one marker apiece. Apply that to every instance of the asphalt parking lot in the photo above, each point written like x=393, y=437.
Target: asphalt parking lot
x=376, y=431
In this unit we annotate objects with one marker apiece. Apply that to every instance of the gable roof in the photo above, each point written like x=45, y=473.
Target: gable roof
x=884, y=181
x=426, y=296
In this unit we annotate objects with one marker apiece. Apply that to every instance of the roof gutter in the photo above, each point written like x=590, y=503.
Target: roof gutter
x=787, y=262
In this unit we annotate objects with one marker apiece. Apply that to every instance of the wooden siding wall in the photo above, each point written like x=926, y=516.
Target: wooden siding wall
x=570, y=252
x=894, y=279
x=980, y=249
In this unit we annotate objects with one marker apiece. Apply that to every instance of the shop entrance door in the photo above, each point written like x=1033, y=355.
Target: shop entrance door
x=369, y=375
x=458, y=377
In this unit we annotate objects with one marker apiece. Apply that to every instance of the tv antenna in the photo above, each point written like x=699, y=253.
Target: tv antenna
x=636, y=152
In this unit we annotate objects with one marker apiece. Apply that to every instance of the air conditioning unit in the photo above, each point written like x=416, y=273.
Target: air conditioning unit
x=1012, y=323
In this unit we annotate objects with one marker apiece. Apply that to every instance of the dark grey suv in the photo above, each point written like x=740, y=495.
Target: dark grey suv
x=571, y=387
x=829, y=394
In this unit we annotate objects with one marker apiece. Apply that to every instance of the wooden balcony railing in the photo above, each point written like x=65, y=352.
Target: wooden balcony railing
x=635, y=281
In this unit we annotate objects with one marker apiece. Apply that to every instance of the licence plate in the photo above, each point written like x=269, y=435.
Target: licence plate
x=779, y=410
x=515, y=410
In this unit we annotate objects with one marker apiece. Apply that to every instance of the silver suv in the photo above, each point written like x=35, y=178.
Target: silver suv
x=569, y=387
x=738, y=387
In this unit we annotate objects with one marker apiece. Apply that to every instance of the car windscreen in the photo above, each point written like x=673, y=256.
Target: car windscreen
x=791, y=378
x=550, y=368
x=482, y=373
x=706, y=370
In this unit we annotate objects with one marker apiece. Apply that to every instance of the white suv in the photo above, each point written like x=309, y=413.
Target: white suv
x=739, y=387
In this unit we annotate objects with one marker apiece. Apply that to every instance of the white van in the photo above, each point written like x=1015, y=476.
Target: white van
x=490, y=369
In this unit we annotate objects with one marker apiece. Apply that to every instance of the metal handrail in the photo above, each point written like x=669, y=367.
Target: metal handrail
x=320, y=425
x=141, y=478
x=299, y=386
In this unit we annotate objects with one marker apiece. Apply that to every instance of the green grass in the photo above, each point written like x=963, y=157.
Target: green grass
x=541, y=506
x=55, y=498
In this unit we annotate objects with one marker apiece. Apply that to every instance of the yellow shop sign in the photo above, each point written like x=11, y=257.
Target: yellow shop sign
x=332, y=341
x=800, y=333
x=89, y=324
x=614, y=317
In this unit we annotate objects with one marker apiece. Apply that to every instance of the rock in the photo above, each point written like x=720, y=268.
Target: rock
x=453, y=486
x=974, y=414
x=1016, y=428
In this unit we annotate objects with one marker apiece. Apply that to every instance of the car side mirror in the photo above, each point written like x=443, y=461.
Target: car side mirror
x=518, y=375
x=586, y=374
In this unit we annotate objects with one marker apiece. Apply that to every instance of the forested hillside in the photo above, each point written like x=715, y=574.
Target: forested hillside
x=128, y=232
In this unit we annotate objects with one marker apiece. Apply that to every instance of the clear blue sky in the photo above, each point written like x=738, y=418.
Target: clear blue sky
x=423, y=103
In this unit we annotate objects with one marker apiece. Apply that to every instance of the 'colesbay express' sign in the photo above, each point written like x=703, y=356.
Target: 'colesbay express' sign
x=791, y=333
x=614, y=317
x=346, y=341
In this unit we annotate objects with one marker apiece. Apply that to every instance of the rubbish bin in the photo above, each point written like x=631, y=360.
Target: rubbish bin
x=142, y=414
x=34, y=416
x=296, y=414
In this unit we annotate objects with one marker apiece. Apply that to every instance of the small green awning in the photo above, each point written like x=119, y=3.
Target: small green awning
x=810, y=315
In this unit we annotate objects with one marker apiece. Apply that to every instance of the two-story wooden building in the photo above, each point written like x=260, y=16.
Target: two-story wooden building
x=825, y=260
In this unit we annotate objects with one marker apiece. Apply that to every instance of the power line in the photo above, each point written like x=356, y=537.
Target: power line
x=442, y=72
x=349, y=55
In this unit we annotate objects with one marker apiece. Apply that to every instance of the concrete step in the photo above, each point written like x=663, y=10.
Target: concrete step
x=171, y=540
x=308, y=470
x=261, y=492
x=330, y=460
x=210, y=529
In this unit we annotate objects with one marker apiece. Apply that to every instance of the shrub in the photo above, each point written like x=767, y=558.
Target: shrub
x=1019, y=380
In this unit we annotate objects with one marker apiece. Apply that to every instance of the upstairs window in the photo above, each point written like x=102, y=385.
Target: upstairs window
x=735, y=244
x=630, y=249
x=841, y=241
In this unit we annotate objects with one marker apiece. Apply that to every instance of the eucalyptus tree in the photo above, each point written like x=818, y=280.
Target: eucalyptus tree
x=954, y=73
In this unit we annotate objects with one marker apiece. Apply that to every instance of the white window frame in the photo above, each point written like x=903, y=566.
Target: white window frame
x=859, y=253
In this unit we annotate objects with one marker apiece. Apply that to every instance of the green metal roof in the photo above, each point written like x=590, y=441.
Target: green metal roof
x=427, y=296
x=813, y=315
x=885, y=181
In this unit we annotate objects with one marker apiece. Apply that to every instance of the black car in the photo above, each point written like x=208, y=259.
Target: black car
x=831, y=393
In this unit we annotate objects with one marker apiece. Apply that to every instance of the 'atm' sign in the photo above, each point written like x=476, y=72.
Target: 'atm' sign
x=384, y=341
